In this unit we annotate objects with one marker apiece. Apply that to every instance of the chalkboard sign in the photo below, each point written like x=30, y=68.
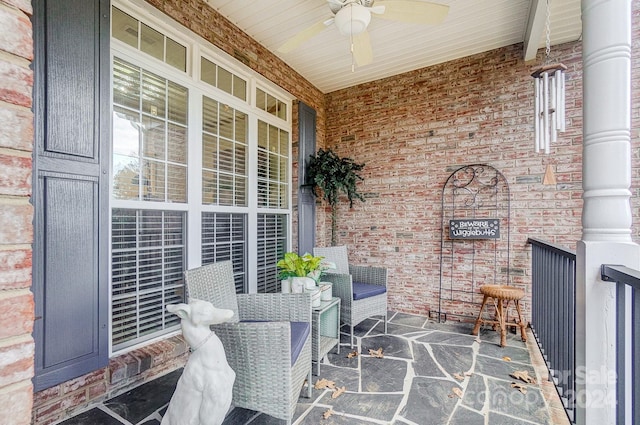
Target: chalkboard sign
x=474, y=228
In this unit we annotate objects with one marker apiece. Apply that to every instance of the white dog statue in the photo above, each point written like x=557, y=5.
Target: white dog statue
x=204, y=391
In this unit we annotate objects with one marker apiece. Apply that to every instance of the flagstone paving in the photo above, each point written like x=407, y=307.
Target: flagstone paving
x=430, y=374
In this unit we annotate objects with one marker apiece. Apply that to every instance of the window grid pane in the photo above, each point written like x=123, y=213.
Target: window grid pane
x=224, y=237
x=149, y=136
x=148, y=259
x=223, y=79
x=271, y=104
x=146, y=39
x=273, y=160
x=272, y=244
x=224, y=158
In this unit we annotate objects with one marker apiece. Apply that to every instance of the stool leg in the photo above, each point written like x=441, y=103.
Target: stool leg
x=523, y=325
x=501, y=320
x=476, y=328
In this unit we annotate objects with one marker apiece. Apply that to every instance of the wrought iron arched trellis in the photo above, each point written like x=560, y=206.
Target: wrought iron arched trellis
x=475, y=193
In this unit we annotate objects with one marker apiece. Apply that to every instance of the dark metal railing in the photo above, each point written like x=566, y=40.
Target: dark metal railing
x=627, y=341
x=553, y=314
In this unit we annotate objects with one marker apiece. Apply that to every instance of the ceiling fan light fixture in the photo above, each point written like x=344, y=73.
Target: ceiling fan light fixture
x=352, y=19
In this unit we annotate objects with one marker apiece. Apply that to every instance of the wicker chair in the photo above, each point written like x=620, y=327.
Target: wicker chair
x=363, y=290
x=258, y=340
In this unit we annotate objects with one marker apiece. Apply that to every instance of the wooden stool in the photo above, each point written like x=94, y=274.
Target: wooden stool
x=500, y=295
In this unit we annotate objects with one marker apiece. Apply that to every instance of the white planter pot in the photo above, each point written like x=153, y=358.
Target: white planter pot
x=299, y=284
x=285, y=284
x=315, y=296
x=325, y=291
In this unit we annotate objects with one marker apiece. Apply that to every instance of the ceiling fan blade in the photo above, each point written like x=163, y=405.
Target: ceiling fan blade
x=413, y=11
x=362, y=52
x=304, y=35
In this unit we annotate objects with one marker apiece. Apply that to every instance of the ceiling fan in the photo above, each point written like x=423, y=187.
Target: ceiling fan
x=352, y=18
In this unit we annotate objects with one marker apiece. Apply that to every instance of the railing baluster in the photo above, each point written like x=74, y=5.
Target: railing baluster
x=621, y=337
x=628, y=284
x=635, y=362
x=553, y=314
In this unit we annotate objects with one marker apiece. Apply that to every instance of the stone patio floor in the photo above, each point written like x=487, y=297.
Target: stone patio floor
x=424, y=365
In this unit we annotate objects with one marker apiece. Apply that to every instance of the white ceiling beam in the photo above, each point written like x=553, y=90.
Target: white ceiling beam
x=535, y=28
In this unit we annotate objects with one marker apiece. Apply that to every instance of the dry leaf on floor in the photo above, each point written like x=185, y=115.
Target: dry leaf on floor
x=458, y=376
x=520, y=387
x=327, y=414
x=323, y=383
x=352, y=354
x=455, y=392
x=523, y=375
x=376, y=353
x=506, y=358
x=338, y=392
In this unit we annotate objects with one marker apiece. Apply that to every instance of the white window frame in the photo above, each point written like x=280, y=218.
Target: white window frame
x=196, y=47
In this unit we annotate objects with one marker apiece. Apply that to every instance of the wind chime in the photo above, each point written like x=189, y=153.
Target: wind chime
x=549, y=88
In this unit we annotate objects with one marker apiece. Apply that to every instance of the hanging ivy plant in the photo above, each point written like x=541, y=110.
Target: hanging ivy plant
x=334, y=176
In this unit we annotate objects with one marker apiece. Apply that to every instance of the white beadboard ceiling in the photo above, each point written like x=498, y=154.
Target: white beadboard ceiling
x=471, y=27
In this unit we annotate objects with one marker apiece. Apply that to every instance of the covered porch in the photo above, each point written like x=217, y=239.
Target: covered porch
x=412, y=130
x=430, y=373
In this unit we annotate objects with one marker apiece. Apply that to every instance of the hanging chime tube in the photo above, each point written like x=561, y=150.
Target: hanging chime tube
x=549, y=105
x=561, y=100
x=536, y=116
x=553, y=108
x=545, y=110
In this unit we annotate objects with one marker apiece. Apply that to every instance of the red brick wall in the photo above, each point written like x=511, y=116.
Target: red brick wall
x=123, y=373
x=413, y=129
x=16, y=214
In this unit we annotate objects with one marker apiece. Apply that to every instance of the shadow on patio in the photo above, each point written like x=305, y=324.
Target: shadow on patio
x=424, y=366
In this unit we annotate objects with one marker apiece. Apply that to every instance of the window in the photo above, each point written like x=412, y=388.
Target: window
x=200, y=174
x=148, y=252
x=224, y=154
x=219, y=77
x=150, y=136
x=273, y=166
x=142, y=37
x=224, y=237
x=272, y=244
x=271, y=104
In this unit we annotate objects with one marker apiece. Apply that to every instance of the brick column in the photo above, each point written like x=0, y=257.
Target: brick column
x=16, y=213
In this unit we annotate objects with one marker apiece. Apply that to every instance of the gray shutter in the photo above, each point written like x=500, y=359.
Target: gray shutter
x=71, y=188
x=306, y=199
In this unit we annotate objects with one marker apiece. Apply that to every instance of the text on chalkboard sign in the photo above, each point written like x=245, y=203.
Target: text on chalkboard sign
x=475, y=228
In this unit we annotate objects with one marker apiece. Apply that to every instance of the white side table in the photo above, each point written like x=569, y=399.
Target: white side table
x=325, y=330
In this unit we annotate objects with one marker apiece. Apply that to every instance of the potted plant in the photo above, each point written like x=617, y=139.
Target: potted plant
x=334, y=176
x=294, y=265
x=302, y=272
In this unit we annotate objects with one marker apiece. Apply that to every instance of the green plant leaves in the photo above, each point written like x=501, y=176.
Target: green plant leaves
x=334, y=176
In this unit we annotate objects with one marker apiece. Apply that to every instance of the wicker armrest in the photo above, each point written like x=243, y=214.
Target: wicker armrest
x=341, y=287
x=247, y=342
x=274, y=307
x=370, y=275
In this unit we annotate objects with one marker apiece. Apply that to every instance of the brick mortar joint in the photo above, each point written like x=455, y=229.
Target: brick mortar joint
x=14, y=9
x=16, y=60
x=15, y=340
x=15, y=200
x=19, y=153
x=16, y=247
